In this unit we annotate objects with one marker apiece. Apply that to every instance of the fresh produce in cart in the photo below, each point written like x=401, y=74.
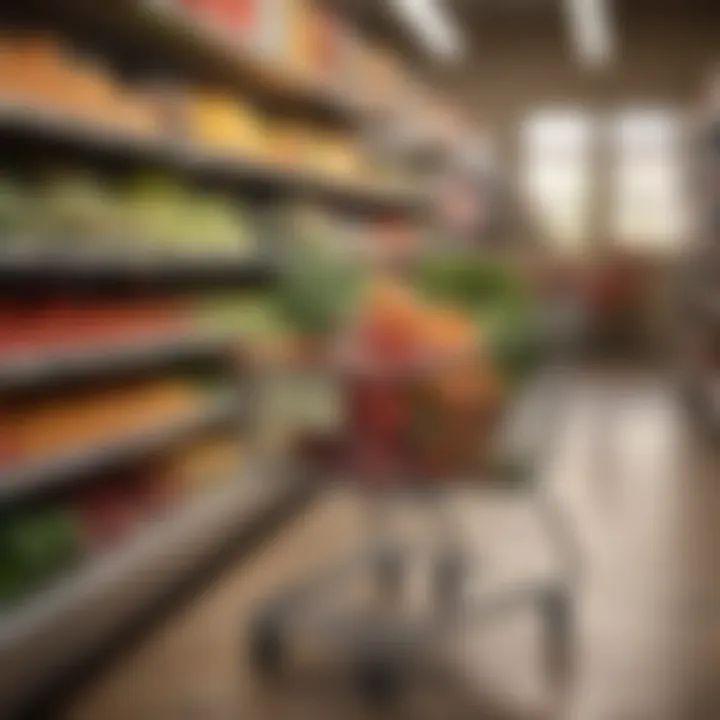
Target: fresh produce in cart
x=425, y=404
x=497, y=296
x=428, y=358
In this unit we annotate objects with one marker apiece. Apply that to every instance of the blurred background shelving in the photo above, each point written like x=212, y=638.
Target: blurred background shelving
x=700, y=280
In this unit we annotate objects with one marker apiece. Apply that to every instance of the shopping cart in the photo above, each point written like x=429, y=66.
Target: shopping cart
x=404, y=441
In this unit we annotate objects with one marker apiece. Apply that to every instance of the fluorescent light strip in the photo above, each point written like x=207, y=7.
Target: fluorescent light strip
x=432, y=25
x=591, y=30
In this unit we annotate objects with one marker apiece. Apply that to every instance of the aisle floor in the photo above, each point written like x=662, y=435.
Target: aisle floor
x=643, y=500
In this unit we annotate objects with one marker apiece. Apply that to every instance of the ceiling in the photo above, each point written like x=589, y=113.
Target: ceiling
x=481, y=18
x=519, y=54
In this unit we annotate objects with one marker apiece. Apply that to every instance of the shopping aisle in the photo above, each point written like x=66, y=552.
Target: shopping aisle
x=641, y=499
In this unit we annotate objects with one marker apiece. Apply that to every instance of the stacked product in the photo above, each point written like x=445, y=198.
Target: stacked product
x=40, y=72
x=150, y=213
x=34, y=328
x=92, y=186
x=57, y=426
x=43, y=541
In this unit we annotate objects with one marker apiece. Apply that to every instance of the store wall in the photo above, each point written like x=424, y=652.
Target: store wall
x=522, y=65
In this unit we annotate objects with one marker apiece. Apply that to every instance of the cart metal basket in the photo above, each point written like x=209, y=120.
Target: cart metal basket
x=405, y=442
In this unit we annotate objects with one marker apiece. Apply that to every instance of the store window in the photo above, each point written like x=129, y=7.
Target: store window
x=647, y=198
x=557, y=149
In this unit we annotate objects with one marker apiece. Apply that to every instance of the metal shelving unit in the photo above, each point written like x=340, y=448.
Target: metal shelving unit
x=48, y=476
x=98, y=599
x=84, y=611
x=166, y=33
x=51, y=127
x=77, y=271
x=28, y=372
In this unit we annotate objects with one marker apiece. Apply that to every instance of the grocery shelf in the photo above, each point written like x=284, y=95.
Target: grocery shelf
x=96, y=137
x=184, y=44
x=27, y=372
x=241, y=64
x=105, y=271
x=46, y=476
x=85, y=608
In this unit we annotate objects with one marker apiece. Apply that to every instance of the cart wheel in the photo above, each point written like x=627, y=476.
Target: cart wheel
x=378, y=680
x=449, y=575
x=267, y=648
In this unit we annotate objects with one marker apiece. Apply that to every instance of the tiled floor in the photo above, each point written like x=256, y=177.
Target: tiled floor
x=643, y=501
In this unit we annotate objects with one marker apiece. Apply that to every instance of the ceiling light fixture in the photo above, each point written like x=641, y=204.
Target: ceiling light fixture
x=429, y=20
x=591, y=31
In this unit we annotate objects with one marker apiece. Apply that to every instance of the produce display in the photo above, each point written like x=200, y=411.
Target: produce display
x=297, y=39
x=44, y=73
x=203, y=464
x=53, y=207
x=162, y=213
x=55, y=426
x=54, y=79
x=251, y=317
x=35, y=546
x=34, y=327
x=147, y=214
x=40, y=543
x=219, y=121
x=40, y=71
